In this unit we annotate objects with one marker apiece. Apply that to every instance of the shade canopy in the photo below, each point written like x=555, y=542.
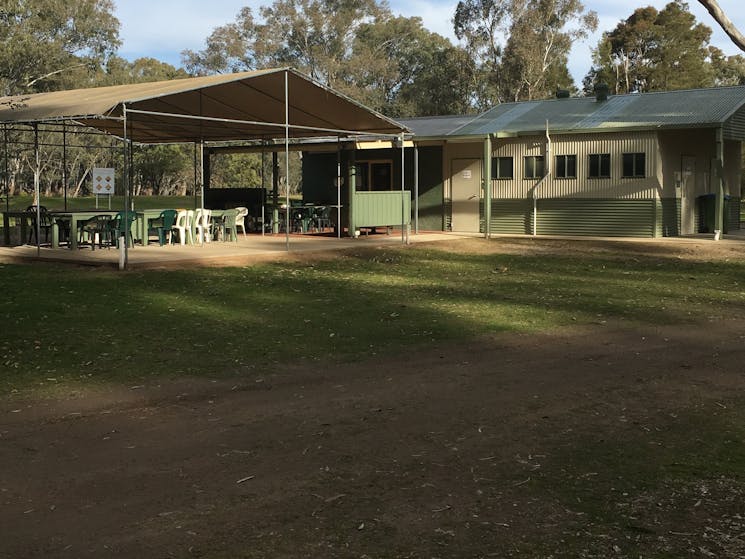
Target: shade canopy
x=242, y=106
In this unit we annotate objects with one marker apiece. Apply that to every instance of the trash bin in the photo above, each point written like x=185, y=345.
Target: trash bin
x=706, y=205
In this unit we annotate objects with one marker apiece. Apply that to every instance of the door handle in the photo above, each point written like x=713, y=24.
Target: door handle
x=472, y=197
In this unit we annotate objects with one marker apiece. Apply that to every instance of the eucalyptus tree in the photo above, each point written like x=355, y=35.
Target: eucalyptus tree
x=521, y=47
x=54, y=44
x=655, y=50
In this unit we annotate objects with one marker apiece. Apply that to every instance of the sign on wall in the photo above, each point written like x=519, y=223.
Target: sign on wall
x=103, y=181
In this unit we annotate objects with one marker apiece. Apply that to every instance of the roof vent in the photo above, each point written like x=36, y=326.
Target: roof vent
x=601, y=91
x=562, y=94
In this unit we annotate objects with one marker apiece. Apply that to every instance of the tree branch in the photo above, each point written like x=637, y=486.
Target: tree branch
x=724, y=22
x=50, y=74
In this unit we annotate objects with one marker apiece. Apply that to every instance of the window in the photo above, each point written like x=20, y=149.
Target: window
x=501, y=168
x=599, y=166
x=566, y=167
x=533, y=166
x=374, y=175
x=634, y=165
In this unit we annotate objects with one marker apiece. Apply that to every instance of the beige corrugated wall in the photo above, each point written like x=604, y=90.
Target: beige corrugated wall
x=581, y=145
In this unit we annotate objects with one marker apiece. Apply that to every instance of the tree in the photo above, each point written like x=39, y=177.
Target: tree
x=728, y=70
x=53, y=44
x=401, y=69
x=119, y=71
x=314, y=36
x=654, y=51
x=534, y=62
x=358, y=47
x=521, y=47
x=662, y=50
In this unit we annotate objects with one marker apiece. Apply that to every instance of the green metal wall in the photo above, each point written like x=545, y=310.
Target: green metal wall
x=372, y=209
x=734, y=214
x=431, y=191
x=668, y=217
x=511, y=216
x=604, y=218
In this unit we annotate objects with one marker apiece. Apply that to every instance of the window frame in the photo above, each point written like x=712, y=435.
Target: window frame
x=564, y=167
x=635, y=156
x=537, y=173
x=496, y=167
x=600, y=157
x=369, y=164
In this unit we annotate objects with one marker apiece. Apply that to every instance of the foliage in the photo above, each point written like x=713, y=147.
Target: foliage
x=120, y=71
x=53, y=44
x=367, y=302
x=521, y=47
x=403, y=70
x=660, y=51
x=358, y=47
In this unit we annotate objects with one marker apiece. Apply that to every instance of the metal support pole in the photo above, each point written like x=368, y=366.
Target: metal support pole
x=416, y=189
x=37, y=189
x=487, y=186
x=719, y=174
x=201, y=189
x=196, y=176
x=7, y=171
x=64, y=163
x=338, y=187
x=287, y=161
x=126, y=180
x=275, y=192
x=404, y=221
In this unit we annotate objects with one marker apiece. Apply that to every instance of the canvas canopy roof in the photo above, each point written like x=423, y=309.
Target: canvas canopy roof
x=248, y=105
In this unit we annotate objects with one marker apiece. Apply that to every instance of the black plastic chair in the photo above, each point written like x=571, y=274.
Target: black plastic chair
x=98, y=229
x=45, y=223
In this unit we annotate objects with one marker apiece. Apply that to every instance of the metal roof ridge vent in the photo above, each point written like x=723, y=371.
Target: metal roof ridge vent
x=601, y=92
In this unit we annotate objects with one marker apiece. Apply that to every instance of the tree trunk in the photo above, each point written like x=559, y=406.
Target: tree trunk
x=724, y=22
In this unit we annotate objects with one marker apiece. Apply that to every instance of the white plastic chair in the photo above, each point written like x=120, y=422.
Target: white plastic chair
x=180, y=226
x=203, y=223
x=190, y=226
x=240, y=219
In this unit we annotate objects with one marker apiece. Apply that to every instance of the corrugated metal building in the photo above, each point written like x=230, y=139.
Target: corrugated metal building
x=647, y=165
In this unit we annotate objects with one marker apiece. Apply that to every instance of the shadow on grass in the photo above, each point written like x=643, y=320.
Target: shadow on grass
x=71, y=324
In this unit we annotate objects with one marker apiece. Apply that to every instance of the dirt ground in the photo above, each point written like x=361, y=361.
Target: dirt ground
x=508, y=446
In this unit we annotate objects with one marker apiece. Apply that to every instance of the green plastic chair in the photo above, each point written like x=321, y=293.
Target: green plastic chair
x=229, y=226
x=163, y=225
x=118, y=227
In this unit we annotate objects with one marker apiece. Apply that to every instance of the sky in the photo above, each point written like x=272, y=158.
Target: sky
x=162, y=29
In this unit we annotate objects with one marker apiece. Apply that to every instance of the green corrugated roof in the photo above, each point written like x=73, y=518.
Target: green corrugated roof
x=673, y=109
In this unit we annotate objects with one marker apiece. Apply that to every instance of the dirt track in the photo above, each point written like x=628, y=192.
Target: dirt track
x=456, y=452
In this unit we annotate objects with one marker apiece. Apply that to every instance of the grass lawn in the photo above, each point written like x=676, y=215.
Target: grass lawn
x=404, y=402
x=72, y=324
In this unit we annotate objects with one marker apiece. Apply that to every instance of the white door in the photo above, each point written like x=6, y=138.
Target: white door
x=466, y=191
x=687, y=195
